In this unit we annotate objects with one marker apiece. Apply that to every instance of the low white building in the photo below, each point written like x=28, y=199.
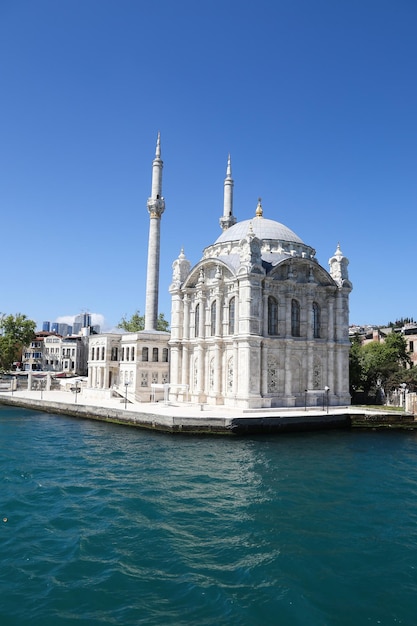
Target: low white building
x=132, y=365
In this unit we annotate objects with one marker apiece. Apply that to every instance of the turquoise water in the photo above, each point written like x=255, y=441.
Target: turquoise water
x=109, y=525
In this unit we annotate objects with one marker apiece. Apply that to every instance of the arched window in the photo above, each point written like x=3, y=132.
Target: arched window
x=145, y=354
x=123, y=354
x=92, y=354
x=272, y=316
x=213, y=316
x=232, y=316
x=165, y=355
x=316, y=320
x=127, y=353
x=155, y=355
x=132, y=354
x=295, y=318
x=197, y=320
x=102, y=353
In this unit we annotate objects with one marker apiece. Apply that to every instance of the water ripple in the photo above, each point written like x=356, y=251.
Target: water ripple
x=107, y=525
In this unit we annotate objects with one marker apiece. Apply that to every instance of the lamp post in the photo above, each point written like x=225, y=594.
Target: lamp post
x=327, y=389
x=126, y=386
x=404, y=389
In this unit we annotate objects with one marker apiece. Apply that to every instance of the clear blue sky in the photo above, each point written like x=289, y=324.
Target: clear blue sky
x=316, y=100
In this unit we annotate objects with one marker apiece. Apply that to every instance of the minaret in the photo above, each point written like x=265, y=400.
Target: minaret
x=156, y=206
x=228, y=219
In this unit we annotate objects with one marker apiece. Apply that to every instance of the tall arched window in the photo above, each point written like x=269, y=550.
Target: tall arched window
x=132, y=354
x=155, y=355
x=145, y=354
x=92, y=354
x=295, y=318
x=213, y=316
x=316, y=320
x=127, y=353
x=272, y=316
x=232, y=316
x=165, y=355
x=197, y=320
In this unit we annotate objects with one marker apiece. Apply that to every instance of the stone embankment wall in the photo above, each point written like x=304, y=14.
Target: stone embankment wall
x=399, y=421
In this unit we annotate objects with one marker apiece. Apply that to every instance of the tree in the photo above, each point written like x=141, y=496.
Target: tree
x=355, y=364
x=377, y=366
x=137, y=323
x=16, y=332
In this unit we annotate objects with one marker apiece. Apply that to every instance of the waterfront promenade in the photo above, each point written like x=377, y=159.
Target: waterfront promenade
x=203, y=419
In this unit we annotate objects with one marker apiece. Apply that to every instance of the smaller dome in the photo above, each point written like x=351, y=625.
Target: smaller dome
x=262, y=228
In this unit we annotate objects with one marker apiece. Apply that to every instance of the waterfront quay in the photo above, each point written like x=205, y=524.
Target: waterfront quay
x=206, y=419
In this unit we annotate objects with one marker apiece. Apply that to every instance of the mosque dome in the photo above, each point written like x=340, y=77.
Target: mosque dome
x=262, y=228
x=277, y=242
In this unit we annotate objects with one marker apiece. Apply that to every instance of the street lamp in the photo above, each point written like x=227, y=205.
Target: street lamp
x=327, y=389
x=126, y=386
x=404, y=389
x=76, y=391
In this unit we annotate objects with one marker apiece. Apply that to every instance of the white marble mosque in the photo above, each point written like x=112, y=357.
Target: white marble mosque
x=256, y=323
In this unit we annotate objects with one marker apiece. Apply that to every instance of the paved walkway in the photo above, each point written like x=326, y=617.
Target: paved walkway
x=173, y=409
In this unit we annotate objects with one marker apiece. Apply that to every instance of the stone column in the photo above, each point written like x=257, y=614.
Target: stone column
x=264, y=330
x=288, y=300
x=330, y=321
x=264, y=369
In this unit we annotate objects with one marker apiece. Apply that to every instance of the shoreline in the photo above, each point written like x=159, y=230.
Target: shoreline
x=207, y=419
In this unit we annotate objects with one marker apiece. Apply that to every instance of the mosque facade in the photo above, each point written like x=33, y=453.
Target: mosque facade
x=256, y=323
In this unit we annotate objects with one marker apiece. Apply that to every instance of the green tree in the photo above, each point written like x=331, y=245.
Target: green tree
x=16, y=332
x=355, y=364
x=377, y=365
x=137, y=323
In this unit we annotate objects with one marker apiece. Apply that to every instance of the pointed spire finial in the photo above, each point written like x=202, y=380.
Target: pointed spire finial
x=158, y=146
x=228, y=219
x=229, y=167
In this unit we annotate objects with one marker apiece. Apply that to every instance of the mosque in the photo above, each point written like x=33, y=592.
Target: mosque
x=256, y=323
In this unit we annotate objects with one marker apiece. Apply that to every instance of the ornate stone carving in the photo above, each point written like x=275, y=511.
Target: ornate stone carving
x=156, y=206
x=180, y=270
x=317, y=384
x=272, y=381
x=211, y=374
x=230, y=375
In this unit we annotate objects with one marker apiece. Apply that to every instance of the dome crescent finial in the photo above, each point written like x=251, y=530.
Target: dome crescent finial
x=259, y=210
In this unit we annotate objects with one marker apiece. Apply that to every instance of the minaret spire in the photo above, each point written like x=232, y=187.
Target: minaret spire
x=228, y=219
x=156, y=206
